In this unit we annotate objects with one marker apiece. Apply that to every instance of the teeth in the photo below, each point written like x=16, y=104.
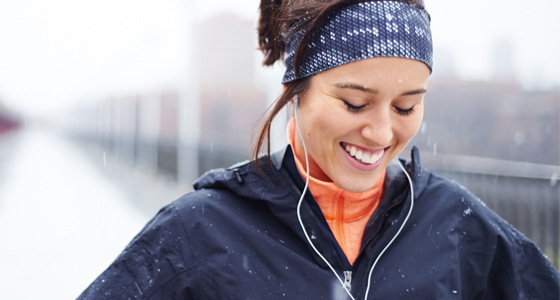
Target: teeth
x=365, y=157
x=359, y=154
x=375, y=158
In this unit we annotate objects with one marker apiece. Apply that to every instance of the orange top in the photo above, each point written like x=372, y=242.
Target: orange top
x=346, y=213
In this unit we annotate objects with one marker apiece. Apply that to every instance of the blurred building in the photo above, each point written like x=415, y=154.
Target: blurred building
x=146, y=129
x=491, y=119
x=231, y=102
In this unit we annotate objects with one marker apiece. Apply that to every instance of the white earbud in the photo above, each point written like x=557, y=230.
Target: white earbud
x=296, y=102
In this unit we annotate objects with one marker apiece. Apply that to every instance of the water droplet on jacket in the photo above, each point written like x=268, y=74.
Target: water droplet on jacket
x=193, y=207
x=467, y=212
x=209, y=195
x=402, y=275
x=454, y=291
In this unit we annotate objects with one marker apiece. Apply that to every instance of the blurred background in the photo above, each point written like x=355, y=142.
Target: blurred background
x=110, y=109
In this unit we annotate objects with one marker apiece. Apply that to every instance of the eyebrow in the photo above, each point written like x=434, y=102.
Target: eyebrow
x=374, y=91
x=355, y=87
x=414, y=92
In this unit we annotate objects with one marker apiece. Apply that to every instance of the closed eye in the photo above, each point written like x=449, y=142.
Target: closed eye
x=404, y=112
x=354, y=109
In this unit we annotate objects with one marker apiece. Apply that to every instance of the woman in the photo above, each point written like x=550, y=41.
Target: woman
x=360, y=226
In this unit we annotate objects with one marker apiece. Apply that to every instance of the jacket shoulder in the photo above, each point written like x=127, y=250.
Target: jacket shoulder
x=457, y=204
x=510, y=263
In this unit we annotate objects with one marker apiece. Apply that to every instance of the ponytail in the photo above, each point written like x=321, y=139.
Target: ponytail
x=270, y=29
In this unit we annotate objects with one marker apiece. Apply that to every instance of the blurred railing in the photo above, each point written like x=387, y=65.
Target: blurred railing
x=526, y=195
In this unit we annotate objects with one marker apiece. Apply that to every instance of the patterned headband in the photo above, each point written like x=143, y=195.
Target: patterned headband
x=360, y=31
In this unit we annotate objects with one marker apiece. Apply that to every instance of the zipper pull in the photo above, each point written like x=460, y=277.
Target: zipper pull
x=348, y=280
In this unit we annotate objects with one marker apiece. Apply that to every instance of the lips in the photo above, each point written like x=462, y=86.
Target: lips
x=363, y=155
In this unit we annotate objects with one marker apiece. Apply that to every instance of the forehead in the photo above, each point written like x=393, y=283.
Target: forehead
x=377, y=72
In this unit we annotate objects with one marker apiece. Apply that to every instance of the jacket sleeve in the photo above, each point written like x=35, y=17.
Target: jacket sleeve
x=157, y=258
x=521, y=271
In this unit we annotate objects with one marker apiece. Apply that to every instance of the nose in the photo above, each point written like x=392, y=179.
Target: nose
x=378, y=128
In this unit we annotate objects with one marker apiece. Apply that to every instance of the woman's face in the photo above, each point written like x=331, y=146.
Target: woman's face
x=357, y=117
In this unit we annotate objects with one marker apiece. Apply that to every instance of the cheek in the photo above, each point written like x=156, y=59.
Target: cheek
x=322, y=122
x=408, y=126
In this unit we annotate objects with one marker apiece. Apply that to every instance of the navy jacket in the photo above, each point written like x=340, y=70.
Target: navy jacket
x=237, y=236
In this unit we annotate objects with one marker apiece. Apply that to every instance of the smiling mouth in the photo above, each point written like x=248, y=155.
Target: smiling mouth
x=362, y=155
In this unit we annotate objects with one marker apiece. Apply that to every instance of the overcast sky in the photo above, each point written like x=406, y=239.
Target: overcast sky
x=54, y=53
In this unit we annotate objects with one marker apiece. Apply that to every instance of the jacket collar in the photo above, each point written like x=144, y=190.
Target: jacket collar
x=243, y=179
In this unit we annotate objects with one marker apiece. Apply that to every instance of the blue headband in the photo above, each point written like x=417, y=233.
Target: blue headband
x=360, y=31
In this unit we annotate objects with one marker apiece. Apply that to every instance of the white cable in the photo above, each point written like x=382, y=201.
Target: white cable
x=400, y=229
x=301, y=200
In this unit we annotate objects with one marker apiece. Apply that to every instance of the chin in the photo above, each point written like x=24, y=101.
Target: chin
x=356, y=187
x=359, y=182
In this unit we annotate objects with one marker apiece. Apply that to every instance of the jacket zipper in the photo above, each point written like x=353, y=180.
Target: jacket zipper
x=348, y=280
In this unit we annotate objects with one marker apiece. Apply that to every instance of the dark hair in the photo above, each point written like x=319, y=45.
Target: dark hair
x=278, y=19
